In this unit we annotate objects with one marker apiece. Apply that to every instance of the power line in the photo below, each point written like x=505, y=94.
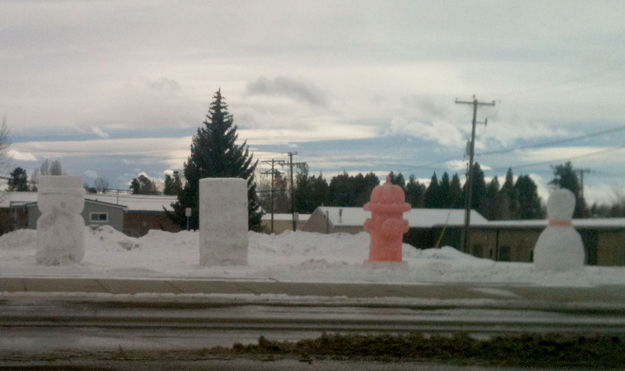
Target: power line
x=560, y=141
x=273, y=163
x=561, y=159
x=561, y=83
x=291, y=163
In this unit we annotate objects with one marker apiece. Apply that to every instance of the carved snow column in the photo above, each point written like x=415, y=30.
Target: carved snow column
x=60, y=228
x=386, y=224
x=223, y=221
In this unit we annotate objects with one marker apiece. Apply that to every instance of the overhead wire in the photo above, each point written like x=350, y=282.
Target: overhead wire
x=613, y=149
x=564, y=82
x=560, y=141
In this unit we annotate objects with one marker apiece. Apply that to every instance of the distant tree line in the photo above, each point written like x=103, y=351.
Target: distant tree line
x=512, y=200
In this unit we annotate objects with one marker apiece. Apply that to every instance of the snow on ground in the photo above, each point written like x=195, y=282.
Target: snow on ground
x=290, y=256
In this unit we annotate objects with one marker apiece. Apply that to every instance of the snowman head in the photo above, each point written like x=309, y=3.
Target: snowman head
x=561, y=204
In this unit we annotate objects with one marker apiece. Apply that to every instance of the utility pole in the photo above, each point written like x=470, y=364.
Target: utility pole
x=292, y=190
x=467, y=207
x=291, y=163
x=273, y=172
x=581, y=181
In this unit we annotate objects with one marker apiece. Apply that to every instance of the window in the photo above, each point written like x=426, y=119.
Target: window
x=98, y=217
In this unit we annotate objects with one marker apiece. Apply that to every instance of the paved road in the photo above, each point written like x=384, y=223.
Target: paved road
x=94, y=315
x=608, y=295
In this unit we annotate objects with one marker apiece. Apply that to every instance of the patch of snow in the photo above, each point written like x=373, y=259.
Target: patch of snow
x=22, y=239
x=290, y=256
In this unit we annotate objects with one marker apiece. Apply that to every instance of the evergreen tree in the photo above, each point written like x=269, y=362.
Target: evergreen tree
x=432, y=199
x=18, y=180
x=172, y=184
x=358, y=186
x=443, y=191
x=363, y=187
x=488, y=208
x=398, y=179
x=455, y=192
x=142, y=185
x=508, y=199
x=566, y=177
x=529, y=202
x=215, y=154
x=320, y=191
x=415, y=192
x=341, y=193
x=478, y=191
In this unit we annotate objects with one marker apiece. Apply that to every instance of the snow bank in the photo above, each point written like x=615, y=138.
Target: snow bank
x=290, y=256
x=18, y=240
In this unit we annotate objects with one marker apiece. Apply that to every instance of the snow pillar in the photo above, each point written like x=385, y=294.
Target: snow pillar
x=223, y=221
x=60, y=228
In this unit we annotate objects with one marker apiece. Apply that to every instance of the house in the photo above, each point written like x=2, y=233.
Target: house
x=133, y=215
x=509, y=240
x=514, y=240
x=422, y=233
x=282, y=222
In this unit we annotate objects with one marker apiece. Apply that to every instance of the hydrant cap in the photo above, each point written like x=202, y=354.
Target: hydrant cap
x=388, y=193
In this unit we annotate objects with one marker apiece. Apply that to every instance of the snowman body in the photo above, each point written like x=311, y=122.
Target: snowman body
x=559, y=247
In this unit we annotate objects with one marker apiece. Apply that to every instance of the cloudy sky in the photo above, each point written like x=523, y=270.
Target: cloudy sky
x=114, y=88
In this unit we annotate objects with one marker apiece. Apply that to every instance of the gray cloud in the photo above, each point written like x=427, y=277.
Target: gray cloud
x=288, y=87
x=164, y=84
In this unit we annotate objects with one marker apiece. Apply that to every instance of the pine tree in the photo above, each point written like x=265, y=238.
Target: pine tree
x=302, y=194
x=397, y=179
x=478, y=192
x=432, y=199
x=363, y=187
x=443, y=191
x=18, y=181
x=320, y=191
x=488, y=208
x=341, y=192
x=415, y=192
x=529, y=202
x=172, y=184
x=455, y=192
x=508, y=199
x=142, y=185
x=215, y=154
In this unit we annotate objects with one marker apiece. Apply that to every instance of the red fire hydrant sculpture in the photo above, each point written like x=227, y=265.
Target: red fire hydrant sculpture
x=386, y=225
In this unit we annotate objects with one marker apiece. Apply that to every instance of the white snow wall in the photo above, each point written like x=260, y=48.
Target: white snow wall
x=223, y=221
x=60, y=228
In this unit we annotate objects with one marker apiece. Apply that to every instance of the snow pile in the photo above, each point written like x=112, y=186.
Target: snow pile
x=291, y=256
x=18, y=240
x=106, y=237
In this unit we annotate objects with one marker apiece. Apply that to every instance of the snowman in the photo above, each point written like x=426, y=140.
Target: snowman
x=559, y=246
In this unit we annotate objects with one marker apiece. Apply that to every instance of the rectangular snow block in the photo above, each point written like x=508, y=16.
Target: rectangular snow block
x=223, y=221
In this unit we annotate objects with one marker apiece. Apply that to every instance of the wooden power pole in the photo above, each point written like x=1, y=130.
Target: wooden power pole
x=272, y=172
x=291, y=163
x=467, y=206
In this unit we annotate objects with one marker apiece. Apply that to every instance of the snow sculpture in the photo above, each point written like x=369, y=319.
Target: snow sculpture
x=223, y=221
x=386, y=225
x=60, y=228
x=559, y=247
